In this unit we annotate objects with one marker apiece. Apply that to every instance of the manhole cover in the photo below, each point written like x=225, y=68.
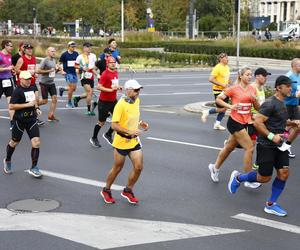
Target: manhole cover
x=33, y=205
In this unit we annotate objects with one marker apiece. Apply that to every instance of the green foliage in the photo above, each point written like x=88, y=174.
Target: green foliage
x=211, y=49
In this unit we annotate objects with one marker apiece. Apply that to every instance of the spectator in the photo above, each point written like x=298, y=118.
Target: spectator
x=268, y=34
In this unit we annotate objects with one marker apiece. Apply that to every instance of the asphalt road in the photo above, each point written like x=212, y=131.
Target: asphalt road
x=175, y=190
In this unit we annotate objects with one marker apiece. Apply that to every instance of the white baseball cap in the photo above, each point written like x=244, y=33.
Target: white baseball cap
x=25, y=75
x=71, y=44
x=132, y=84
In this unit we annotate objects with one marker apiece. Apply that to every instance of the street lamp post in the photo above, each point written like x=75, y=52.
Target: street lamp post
x=122, y=20
x=238, y=33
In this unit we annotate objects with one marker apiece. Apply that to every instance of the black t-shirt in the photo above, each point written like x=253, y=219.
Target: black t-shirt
x=20, y=96
x=15, y=58
x=277, y=113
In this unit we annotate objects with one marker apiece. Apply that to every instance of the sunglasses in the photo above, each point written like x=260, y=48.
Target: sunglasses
x=136, y=90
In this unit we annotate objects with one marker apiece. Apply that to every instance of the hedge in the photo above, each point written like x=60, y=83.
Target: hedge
x=176, y=58
x=275, y=53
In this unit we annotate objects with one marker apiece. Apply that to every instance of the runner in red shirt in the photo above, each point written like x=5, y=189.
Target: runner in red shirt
x=27, y=62
x=108, y=85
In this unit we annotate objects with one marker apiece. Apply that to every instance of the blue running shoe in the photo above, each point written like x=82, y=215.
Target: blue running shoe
x=275, y=209
x=7, y=167
x=233, y=183
x=35, y=172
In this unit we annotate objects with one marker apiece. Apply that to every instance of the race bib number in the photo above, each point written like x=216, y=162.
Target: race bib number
x=52, y=74
x=244, y=108
x=88, y=75
x=29, y=96
x=31, y=68
x=115, y=82
x=71, y=63
x=6, y=83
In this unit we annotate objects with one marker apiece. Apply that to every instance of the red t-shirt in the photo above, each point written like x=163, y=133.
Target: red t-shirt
x=244, y=98
x=28, y=64
x=106, y=80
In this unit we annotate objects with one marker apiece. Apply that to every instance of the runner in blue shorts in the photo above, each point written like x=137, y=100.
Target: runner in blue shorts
x=68, y=59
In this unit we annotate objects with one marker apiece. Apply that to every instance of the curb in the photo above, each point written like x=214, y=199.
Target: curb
x=198, y=107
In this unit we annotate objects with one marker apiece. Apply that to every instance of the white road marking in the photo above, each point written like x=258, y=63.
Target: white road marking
x=268, y=223
x=160, y=111
x=80, y=180
x=4, y=117
x=183, y=143
x=103, y=232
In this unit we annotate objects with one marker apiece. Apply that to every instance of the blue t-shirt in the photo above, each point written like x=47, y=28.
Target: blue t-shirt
x=293, y=100
x=114, y=54
x=68, y=60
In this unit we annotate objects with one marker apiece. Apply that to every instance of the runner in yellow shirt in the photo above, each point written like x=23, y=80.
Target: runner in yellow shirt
x=126, y=122
x=220, y=78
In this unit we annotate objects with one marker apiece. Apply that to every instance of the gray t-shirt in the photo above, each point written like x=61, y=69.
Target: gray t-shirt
x=277, y=113
x=46, y=64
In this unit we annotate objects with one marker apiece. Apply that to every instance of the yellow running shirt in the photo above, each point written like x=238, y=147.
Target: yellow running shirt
x=128, y=116
x=222, y=74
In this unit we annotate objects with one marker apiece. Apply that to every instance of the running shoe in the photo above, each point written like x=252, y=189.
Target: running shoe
x=253, y=185
x=219, y=127
x=255, y=166
x=108, y=138
x=90, y=113
x=69, y=105
x=106, y=195
x=233, y=183
x=61, y=91
x=75, y=101
x=205, y=114
x=7, y=167
x=128, y=194
x=40, y=122
x=52, y=119
x=35, y=172
x=291, y=155
x=95, y=143
x=275, y=209
x=214, y=175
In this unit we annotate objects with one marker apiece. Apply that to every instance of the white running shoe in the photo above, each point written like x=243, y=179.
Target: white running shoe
x=205, y=114
x=252, y=184
x=219, y=127
x=214, y=175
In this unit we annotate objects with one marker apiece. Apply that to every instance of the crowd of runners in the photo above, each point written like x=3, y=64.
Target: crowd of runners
x=268, y=124
x=19, y=75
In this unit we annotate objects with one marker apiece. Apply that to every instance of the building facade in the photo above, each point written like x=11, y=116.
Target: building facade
x=280, y=10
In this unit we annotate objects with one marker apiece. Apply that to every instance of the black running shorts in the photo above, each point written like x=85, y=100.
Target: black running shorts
x=268, y=158
x=48, y=88
x=31, y=128
x=87, y=82
x=105, y=109
x=126, y=152
x=5, y=88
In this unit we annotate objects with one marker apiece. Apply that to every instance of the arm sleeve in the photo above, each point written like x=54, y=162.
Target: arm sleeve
x=215, y=71
x=62, y=58
x=14, y=97
x=266, y=109
x=42, y=64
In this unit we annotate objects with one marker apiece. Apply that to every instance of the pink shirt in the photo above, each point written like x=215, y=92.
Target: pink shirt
x=244, y=99
x=5, y=61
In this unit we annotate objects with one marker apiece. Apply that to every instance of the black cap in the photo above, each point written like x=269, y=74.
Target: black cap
x=261, y=71
x=283, y=80
x=87, y=44
x=27, y=46
x=107, y=51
